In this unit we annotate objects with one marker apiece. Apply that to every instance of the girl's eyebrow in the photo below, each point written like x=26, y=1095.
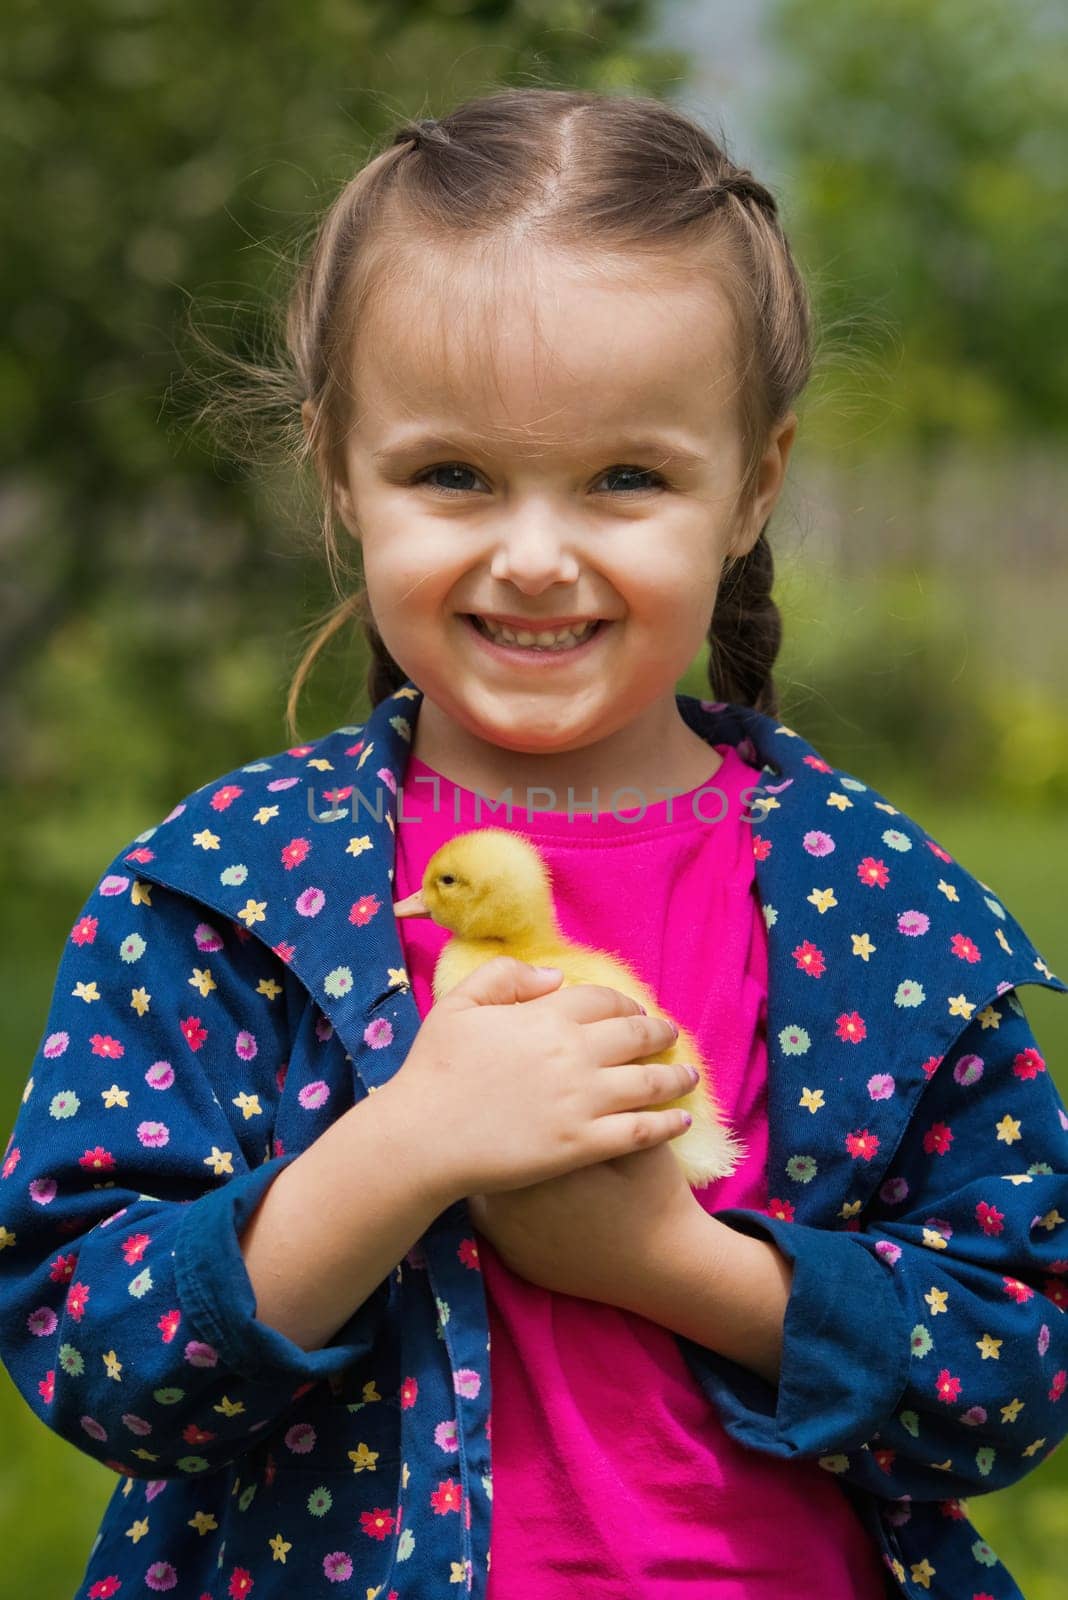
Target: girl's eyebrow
x=665, y=449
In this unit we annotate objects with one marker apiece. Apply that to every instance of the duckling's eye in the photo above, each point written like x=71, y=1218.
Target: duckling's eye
x=446, y=877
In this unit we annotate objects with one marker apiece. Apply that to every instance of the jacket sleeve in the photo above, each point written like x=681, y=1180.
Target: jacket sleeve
x=925, y=1345
x=139, y=1153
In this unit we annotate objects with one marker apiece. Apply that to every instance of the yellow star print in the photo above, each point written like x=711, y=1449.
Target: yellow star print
x=989, y=1348
x=6, y=1237
x=279, y=1548
x=115, y=1097
x=85, y=991
x=850, y=1208
x=811, y=1099
x=822, y=899
x=999, y=934
x=884, y=805
x=1010, y=1412
x=1016, y=1178
x=253, y=911
x=840, y=801
x=948, y=890
x=321, y=764
x=140, y=999
x=937, y=1299
x=989, y=1017
x=922, y=1572
x=113, y=1365
x=862, y=945
x=249, y=1104
x=206, y=839
x=268, y=988
x=138, y=1531
x=264, y=815
x=933, y=1239
x=960, y=1007
x=229, y=1408
x=145, y=1455
x=1050, y=1220
x=141, y=893
x=356, y=847
x=203, y=1522
x=1008, y=1129
x=397, y=977
x=363, y=1458
x=220, y=1161
x=203, y=980
x=1032, y=1449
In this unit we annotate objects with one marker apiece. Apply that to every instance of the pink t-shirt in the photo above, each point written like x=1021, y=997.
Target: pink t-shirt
x=611, y=1469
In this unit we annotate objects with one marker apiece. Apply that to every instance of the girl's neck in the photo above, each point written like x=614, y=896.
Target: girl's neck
x=680, y=762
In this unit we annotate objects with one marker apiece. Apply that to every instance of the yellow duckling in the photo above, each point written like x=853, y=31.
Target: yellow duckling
x=492, y=890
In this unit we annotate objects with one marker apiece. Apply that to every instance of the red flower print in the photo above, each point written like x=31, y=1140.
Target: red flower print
x=809, y=958
x=937, y=1139
x=817, y=764
x=948, y=1387
x=104, y=1045
x=943, y=855
x=1020, y=1292
x=863, y=1145
x=223, y=798
x=104, y=1588
x=134, y=1247
x=781, y=1209
x=1056, y=1289
x=77, y=1299
x=989, y=1218
x=193, y=1032
x=875, y=873
x=378, y=1524
x=353, y=749
x=448, y=1496
x=98, y=1160
x=931, y=1065
x=1026, y=1063
x=142, y=855
x=12, y=1161
x=851, y=1027
x=409, y=1393
x=468, y=1253
x=1056, y=1388
x=240, y=932
x=169, y=1324
x=241, y=1583
x=365, y=908
x=194, y=1435
x=47, y=1386
x=84, y=930
x=964, y=948
x=62, y=1268
x=335, y=796
x=285, y=952
x=884, y=1459
x=281, y=1075
x=294, y=853
x=761, y=847
x=952, y=1509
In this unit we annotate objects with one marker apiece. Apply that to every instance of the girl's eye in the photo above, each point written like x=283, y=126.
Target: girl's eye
x=637, y=472
x=455, y=469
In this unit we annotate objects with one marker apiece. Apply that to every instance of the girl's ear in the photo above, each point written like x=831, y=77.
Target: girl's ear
x=769, y=484
x=342, y=498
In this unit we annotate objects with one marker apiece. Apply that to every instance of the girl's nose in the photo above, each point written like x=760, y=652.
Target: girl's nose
x=533, y=554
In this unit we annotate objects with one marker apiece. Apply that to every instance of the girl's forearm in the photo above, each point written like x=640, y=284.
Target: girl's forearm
x=337, y=1220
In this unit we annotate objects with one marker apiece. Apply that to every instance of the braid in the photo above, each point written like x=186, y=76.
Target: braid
x=745, y=633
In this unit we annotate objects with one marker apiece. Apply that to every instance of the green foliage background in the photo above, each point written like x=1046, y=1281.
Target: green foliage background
x=160, y=158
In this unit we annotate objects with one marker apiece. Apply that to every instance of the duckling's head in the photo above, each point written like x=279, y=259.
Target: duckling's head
x=485, y=884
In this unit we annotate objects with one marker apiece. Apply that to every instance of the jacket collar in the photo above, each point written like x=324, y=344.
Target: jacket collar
x=311, y=832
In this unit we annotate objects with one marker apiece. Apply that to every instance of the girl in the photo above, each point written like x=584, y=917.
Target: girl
x=275, y=1231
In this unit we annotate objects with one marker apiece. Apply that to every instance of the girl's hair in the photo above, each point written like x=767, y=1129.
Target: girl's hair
x=590, y=173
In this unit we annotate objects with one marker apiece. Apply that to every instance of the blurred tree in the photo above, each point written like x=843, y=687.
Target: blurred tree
x=927, y=160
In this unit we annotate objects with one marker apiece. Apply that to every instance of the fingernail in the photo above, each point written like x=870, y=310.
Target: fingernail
x=687, y=1119
x=675, y=1026
x=643, y=1011
x=694, y=1074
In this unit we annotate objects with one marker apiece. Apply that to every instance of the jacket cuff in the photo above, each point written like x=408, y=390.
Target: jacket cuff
x=215, y=1290
x=846, y=1351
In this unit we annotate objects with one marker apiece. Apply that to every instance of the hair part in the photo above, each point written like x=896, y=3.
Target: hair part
x=587, y=173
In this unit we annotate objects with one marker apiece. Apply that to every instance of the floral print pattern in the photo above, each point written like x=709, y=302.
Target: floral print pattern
x=235, y=983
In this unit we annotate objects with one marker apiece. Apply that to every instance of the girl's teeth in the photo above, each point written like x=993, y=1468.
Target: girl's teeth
x=557, y=639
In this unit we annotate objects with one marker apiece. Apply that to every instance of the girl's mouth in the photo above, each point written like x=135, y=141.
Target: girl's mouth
x=534, y=655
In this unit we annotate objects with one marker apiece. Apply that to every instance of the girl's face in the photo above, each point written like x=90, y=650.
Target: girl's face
x=572, y=452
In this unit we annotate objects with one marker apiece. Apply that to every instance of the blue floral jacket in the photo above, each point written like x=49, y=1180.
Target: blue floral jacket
x=235, y=982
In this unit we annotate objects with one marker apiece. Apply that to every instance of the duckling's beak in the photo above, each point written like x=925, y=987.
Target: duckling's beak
x=413, y=906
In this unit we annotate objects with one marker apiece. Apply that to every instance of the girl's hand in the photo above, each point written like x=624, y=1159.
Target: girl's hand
x=599, y=1232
